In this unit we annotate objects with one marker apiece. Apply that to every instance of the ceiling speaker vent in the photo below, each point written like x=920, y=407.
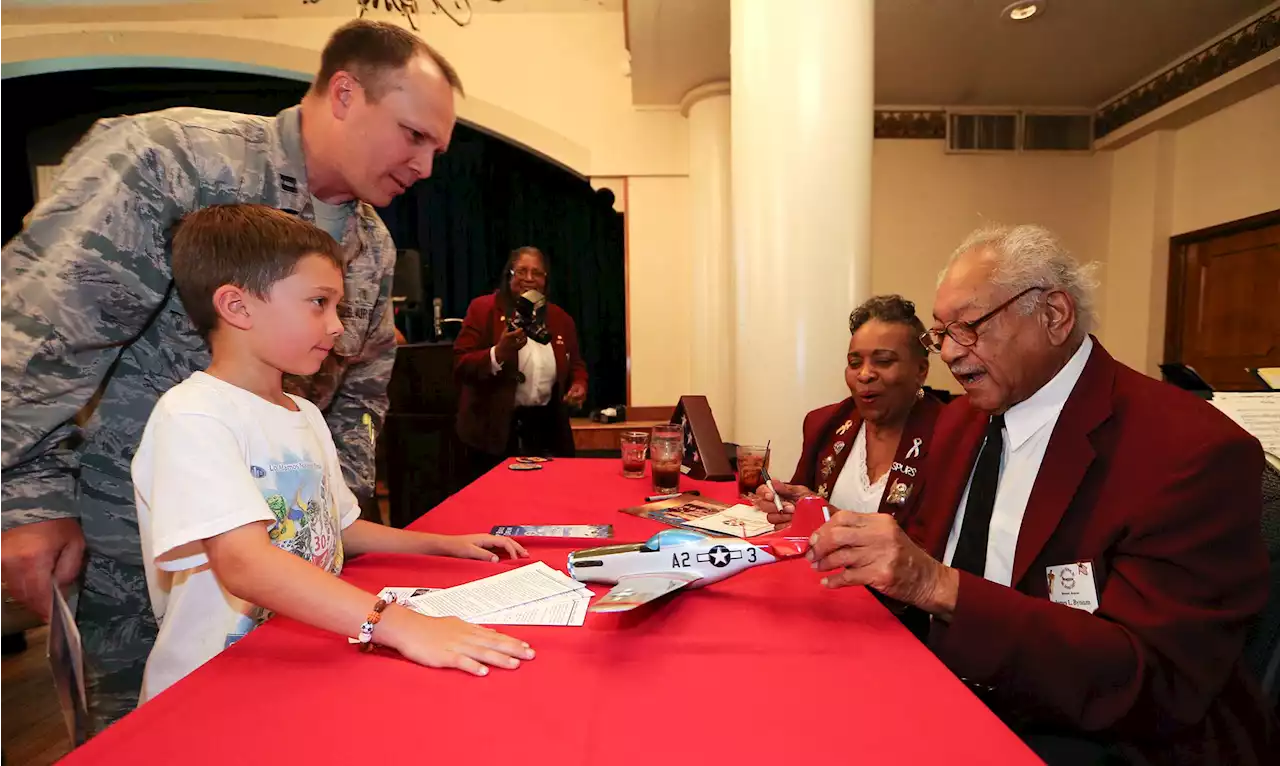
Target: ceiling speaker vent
x=1057, y=132
x=1013, y=131
x=982, y=132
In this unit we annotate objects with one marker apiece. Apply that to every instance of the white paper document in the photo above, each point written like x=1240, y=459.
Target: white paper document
x=512, y=588
x=568, y=609
x=1256, y=412
x=740, y=520
x=66, y=658
x=534, y=594
x=403, y=594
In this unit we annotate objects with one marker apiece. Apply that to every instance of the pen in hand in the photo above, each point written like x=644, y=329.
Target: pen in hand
x=768, y=482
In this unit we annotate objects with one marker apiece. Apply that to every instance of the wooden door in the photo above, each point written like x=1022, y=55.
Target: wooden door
x=1224, y=302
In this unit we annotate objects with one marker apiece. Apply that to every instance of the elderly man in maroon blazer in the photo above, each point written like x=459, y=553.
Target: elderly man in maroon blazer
x=1089, y=551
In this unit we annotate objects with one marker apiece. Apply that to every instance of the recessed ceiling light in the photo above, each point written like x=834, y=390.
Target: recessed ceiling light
x=1023, y=10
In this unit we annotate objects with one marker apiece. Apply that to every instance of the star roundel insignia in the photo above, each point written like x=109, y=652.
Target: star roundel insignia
x=718, y=556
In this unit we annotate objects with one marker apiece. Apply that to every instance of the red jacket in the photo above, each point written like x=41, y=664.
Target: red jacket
x=485, y=400
x=838, y=423
x=1163, y=494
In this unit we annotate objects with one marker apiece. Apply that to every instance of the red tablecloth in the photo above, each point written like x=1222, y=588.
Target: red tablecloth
x=764, y=667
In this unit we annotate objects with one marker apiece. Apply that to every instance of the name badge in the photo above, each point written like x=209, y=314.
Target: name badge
x=1073, y=585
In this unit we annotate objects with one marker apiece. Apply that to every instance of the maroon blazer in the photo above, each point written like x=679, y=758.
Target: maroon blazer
x=821, y=461
x=485, y=400
x=1162, y=493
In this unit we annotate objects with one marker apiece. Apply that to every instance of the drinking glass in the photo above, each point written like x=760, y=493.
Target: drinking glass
x=666, y=454
x=751, y=458
x=634, y=445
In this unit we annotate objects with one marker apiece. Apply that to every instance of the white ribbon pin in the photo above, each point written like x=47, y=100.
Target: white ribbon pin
x=915, y=449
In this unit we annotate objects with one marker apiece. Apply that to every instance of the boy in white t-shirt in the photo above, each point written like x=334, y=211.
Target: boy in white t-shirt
x=242, y=508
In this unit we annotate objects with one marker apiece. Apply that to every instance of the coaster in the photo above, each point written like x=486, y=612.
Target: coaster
x=525, y=467
x=533, y=460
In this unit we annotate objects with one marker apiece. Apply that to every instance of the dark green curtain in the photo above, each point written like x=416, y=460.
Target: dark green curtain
x=486, y=198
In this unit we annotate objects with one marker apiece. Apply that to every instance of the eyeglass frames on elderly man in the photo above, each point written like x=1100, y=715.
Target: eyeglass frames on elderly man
x=965, y=333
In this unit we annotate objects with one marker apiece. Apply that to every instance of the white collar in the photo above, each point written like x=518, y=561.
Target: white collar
x=1027, y=417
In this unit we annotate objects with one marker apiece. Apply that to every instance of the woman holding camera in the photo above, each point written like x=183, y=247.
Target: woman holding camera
x=518, y=369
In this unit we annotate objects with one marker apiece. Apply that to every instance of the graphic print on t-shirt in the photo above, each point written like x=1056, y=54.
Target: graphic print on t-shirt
x=297, y=492
x=306, y=522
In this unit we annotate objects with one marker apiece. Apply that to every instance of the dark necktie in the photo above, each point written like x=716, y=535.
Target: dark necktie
x=971, y=549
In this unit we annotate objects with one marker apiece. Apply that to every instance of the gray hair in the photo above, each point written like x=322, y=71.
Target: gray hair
x=1031, y=256
x=891, y=309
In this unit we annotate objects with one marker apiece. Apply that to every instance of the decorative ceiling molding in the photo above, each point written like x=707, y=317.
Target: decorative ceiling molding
x=1232, y=51
x=895, y=123
x=458, y=11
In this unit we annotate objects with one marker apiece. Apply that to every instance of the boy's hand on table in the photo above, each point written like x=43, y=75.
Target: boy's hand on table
x=447, y=642
x=481, y=547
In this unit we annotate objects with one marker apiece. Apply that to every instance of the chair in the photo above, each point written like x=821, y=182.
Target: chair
x=1262, y=645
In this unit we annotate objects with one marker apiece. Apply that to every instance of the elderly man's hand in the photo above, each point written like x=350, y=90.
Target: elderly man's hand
x=790, y=493
x=871, y=549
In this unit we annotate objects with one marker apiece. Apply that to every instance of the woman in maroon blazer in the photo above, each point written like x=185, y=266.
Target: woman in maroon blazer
x=517, y=382
x=864, y=453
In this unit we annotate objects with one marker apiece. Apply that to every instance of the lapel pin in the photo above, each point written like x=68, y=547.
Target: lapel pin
x=898, y=493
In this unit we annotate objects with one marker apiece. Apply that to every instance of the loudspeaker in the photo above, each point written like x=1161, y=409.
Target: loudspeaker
x=407, y=282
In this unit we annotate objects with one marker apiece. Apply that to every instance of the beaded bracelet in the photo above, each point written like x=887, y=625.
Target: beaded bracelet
x=366, y=630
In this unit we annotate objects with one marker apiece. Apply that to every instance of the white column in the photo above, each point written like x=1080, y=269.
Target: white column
x=802, y=119
x=711, y=331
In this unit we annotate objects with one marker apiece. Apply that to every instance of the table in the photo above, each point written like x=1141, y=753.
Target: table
x=762, y=668
x=590, y=436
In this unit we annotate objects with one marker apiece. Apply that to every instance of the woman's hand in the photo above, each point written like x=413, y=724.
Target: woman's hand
x=790, y=493
x=509, y=345
x=577, y=394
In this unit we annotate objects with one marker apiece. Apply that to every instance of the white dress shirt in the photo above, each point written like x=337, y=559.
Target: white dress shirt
x=854, y=490
x=538, y=363
x=1027, y=428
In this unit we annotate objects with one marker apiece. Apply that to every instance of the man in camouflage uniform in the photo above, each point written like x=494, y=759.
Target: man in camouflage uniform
x=94, y=332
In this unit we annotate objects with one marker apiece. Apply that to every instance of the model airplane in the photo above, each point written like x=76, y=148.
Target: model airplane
x=685, y=558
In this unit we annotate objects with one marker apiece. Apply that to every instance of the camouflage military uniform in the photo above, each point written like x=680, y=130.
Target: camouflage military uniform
x=94, y=333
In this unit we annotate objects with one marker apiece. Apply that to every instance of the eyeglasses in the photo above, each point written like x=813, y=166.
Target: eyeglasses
x=529, y=273
x=965, y=333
